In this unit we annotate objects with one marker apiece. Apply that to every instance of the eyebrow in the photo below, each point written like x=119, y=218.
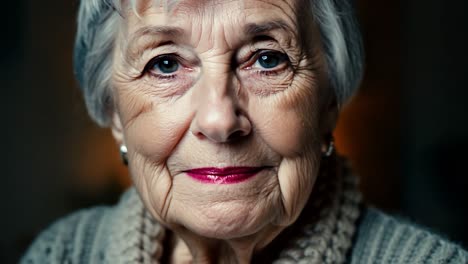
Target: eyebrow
x=155, y=30
x=249, y=29
x=252, y=29
x=167, y=31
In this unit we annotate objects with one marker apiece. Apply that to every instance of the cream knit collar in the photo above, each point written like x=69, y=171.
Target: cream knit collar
x=325, y=237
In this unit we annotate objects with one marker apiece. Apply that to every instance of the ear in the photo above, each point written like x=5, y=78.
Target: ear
x=117, y=129
x=328, y=121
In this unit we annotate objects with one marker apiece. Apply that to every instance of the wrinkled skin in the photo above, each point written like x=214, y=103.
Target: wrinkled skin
x=220, y=107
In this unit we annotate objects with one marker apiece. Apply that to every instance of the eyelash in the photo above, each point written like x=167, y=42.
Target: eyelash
x=158, y=59
x=284, y=62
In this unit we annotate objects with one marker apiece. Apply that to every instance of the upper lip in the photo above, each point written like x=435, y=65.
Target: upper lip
x=225, y=171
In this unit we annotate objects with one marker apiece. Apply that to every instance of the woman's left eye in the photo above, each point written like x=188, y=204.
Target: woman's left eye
x=270, y=60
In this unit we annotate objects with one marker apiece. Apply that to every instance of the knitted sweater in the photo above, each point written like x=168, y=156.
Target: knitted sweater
x=126, y=233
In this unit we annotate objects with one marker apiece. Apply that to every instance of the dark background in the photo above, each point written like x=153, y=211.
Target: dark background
x=405, y=131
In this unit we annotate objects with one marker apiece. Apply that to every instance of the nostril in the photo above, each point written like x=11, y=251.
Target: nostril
x=220, y=122
x=197, y=134
x=236, y=135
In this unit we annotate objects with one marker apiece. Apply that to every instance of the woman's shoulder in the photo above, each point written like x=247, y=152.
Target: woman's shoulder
x=382, y=238
x=82, y=236
x=95, y=235
x=69, y=238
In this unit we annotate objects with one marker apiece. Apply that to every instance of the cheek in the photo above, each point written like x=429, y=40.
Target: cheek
x=288, y=121
x=153, y=128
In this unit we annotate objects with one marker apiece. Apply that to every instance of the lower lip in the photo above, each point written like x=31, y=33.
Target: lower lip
x=224, y=175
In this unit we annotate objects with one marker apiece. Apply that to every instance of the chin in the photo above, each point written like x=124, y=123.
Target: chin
x=228, y=220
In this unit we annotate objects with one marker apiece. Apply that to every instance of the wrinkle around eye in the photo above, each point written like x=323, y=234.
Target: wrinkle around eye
x=149, y=37
x=182, y=53
x=146, y=108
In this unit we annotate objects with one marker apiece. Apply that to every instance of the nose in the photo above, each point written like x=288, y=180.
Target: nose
x=218, y=117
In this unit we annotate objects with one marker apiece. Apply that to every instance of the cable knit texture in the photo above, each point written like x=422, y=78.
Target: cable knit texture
x=127, y=233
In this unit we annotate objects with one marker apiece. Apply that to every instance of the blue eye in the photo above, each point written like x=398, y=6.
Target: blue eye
x=271, y=60
x=165, y=65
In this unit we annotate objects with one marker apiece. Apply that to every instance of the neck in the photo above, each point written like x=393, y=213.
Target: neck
x=190, y=248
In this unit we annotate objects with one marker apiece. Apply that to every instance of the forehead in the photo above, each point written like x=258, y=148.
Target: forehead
x=216, y=25
x=171, y=5
x=193, y=12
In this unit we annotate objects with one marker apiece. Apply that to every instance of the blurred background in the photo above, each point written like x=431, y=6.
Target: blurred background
x=405, y=131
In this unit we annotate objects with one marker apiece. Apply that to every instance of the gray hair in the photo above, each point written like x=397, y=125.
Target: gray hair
x=98, y=25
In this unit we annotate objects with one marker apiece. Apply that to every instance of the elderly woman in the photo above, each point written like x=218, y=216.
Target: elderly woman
x=224, y=111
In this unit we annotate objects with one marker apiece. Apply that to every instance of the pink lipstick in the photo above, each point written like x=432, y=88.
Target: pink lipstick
x=227, y=175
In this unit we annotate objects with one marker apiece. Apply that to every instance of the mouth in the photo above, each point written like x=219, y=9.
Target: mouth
x=227, y=175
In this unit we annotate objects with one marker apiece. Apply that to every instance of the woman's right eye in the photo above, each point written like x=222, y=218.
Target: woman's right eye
x=163, y=65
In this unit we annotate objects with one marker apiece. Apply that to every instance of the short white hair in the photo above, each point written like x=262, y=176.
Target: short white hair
x=98, y=23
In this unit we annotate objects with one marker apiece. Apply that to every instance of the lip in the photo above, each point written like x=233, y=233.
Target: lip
x=227, y=175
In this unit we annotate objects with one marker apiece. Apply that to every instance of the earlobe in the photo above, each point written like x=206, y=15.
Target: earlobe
x=330, y=117
x=328, y=124
x=117, y=129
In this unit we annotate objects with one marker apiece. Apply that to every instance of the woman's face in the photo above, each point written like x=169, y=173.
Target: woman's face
x=223, y=106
